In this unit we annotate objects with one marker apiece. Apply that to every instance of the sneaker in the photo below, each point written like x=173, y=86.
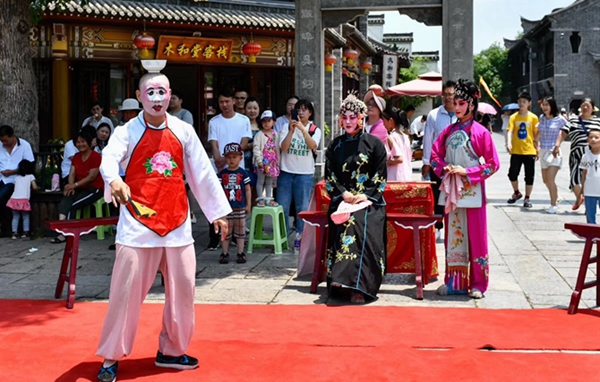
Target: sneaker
x=224, y=258
x=241, y=258
x=213, y=246
x=183, y=362
x=552, y=210
x=526, y=203
x=476, y=293
x=14, y=236
x=515, y=196
x=108, y=374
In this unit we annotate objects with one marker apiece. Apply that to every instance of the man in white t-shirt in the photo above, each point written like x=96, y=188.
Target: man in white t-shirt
x=97, y=118
x=223, y=129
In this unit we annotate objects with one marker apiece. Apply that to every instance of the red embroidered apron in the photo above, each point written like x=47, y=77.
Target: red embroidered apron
x=155, y=178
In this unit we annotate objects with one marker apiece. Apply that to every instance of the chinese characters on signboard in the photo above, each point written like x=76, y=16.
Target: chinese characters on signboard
x=193, y=49
x=390, y=70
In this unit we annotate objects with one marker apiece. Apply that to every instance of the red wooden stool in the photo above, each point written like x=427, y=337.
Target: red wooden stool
x=319, y=219
x=591, y=234
x=72, y=230
x=416, y=223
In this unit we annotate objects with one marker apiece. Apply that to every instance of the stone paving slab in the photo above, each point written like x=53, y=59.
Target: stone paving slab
x=534, y=262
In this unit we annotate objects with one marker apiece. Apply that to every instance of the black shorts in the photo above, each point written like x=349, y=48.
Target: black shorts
x=528, y=161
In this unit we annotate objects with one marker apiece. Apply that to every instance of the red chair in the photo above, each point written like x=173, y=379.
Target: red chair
x=416, y=223
x=319, y=219
x=72, y=230
x=591, y=234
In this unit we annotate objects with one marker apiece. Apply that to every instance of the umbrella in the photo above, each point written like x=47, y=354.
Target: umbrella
x=427, y=85
x=510, y=107
x=486, y=108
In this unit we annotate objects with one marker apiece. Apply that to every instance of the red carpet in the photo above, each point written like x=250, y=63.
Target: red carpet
x=43, y=341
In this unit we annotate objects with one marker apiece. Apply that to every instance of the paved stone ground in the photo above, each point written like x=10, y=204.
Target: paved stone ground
x=534, y=262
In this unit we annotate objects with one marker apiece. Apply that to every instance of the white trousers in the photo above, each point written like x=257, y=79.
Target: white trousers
x=133, y=274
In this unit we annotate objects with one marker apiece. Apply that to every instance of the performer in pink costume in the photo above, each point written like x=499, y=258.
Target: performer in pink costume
x=154, y=230
x=465, y=150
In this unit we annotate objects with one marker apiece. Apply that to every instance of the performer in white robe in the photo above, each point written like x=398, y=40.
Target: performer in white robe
x=154, y=231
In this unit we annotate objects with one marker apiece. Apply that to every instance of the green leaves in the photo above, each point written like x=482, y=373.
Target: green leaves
x=492, y=65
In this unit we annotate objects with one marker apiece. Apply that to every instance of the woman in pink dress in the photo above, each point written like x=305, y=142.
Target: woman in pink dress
x=464, y=156
x=397, y=145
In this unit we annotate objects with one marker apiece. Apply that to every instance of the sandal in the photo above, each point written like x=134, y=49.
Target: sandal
x=273, y=203
x=224, y=258
x=578, y=204
x=58, y=240
x=515, y=196
x=260, y=202
x=241, y=258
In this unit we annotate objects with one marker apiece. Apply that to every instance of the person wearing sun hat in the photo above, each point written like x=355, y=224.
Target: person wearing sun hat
x=356, y=175
x=129, y=109
x=374, y=124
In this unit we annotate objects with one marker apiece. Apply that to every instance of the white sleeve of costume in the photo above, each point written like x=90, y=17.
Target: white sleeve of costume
x=202, y=179
x=112, y=155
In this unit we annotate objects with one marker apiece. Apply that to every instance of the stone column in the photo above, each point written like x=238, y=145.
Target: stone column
x=309, y=63
x=457, y=40
x=337, y=92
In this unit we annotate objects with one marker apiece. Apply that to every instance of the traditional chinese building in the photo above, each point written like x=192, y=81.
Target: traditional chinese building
x=84, y=55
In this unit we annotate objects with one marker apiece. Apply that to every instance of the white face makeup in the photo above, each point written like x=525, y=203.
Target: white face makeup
x=350, y=122
x=155, y=96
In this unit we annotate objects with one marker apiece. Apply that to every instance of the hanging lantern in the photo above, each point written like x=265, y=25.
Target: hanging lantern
x=330, y=59
x=144, y=42
x=251, y=49
x=366, y=65
x=350, y=55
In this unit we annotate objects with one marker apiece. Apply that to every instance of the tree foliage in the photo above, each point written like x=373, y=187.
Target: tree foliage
x=408, y=74
x=492, y=65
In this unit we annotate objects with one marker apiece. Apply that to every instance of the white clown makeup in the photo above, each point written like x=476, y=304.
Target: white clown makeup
x=155, y=94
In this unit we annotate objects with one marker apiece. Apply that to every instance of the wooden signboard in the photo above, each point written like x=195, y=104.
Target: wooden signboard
x=193, y=49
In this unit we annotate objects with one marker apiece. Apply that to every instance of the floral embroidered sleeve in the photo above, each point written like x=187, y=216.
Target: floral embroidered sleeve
x=483, y=145
x=332, y=184
x=371, y=174
x=438, y=153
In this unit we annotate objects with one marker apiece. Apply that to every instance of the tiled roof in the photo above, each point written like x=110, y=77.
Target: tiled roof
x=176, y=14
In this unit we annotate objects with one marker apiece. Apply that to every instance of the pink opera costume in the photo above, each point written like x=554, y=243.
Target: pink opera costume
x=469, y=145
x=156, y=149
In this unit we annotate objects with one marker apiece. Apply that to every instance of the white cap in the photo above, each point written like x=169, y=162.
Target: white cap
x=267, y=114
x=130, y=104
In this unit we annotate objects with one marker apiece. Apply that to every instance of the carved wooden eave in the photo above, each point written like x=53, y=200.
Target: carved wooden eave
x=334, y=39
x=352, y=33
x=528, y=25
x=509, y=44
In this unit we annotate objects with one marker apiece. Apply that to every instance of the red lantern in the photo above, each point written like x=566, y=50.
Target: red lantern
x=144, y=42
x=350, y=55
x=330, y=59
x=366, y=65
x=251, y=49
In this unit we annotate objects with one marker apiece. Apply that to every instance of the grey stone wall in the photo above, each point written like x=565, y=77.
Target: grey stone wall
x=576, y=73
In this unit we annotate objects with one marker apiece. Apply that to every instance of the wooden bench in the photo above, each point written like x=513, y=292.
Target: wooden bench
x=416, y=222
x=72, y=230
x=591, y=234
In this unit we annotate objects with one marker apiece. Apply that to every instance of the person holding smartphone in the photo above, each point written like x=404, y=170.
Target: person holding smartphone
x=297, y=163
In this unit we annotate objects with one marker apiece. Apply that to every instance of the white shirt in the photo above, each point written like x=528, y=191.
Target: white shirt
x=505, y=119
x=92, y=121
x=228, y=130
x=280, y=123
x=198, y=172
x=591, y=163
x=22, y=187
x=437, y=120
x=417, y=127
x=185, y=115
x=21, y=151
x=70, y=150
x=298, y=159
